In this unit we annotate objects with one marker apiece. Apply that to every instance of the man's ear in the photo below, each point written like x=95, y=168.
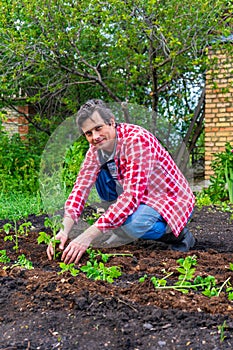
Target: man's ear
x=112, y=122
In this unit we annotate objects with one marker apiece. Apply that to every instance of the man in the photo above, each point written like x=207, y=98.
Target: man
x=151, y=199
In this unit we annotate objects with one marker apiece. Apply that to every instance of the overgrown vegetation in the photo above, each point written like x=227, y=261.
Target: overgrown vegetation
x=220, y=190
x=19, y=165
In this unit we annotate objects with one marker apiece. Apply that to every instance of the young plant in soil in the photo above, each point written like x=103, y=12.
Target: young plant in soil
x=55, y=225
x=22, y=261
x=22, y=230
x=95, y=269
x=93, y=255
x=221, y=330
x=187, y=280
x=68, y=268
x=3, y=257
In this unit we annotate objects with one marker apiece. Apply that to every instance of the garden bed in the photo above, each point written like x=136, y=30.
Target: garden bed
x=42, y=309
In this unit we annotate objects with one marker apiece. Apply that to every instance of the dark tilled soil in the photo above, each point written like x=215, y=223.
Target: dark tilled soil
x=41, y=309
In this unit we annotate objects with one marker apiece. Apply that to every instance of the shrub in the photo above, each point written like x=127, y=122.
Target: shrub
x=73, y=160
x=221, y=183
x=18, y=165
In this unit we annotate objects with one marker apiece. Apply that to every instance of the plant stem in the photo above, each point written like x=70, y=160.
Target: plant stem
x=224, y=283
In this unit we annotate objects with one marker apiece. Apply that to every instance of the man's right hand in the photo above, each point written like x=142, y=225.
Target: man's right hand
x=62, y=237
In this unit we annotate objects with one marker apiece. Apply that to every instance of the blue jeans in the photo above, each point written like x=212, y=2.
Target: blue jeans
x=145, y=223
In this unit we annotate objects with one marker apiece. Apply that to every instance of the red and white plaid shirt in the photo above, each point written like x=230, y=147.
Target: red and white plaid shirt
x=147, y=174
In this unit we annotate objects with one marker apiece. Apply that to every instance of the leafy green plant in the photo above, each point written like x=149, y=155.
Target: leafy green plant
x=3, y=257
x=55, y=224
x=93, y=254
x=221, y=183
x=23, y=262
x=187, y=280
x=68, y=268
x=95, y=269
x=98, y=271
x=203, y=199
x=22, y=230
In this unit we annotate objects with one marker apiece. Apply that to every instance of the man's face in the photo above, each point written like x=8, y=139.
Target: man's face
x=98, y=133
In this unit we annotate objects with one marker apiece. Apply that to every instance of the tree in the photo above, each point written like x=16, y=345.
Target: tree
x=59, y=53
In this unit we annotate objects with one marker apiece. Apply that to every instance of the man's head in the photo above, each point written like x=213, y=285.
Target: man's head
x=87, y=110
x=96, y=121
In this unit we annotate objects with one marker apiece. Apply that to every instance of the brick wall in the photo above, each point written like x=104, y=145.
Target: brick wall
x=16, y=122
x=218, y=108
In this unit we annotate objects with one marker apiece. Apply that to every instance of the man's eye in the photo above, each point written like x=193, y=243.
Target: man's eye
x=88, y=133
x=98, y=128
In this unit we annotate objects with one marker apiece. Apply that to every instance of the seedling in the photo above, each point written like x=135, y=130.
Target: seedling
x=187, y=280
x=221, y=330
x=22, y=230
x=55, y=224
x=95, y=269
x=23, y=262
x=3, y=257
x=103, y=256
x=68, y=268
x=98, y=271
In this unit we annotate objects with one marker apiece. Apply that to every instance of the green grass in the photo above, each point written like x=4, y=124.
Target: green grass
x=19, y=205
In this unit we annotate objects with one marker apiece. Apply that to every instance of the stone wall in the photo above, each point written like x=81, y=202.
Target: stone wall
x=16, y=121
x=218, y=108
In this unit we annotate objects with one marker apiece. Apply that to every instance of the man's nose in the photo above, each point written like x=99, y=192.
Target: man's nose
x=95, y=134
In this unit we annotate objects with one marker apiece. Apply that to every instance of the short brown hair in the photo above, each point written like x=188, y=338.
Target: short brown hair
x=91, y=106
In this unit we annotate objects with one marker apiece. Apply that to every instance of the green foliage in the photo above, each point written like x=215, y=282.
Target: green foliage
x=135, y=50
x=221, y=183
x=98, y=271
x=54, y=223
x=221, y=330
x=68, y=268
x=23, y=262
x=203, y=199
x=188, y=280
x=43, y=237
x=73, y=160
x=22, y=230
x=18, y=166
x=19, y=205
x=94, y=254
x=3, y=257
x=94, y=269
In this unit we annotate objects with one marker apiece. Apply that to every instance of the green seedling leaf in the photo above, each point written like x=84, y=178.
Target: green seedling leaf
x=8, y=238
x=68, y=268
x=23, y=262
x=143, y=278
x=43, y=238
x=3, y=257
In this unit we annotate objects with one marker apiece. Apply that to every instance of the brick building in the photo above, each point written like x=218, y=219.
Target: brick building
x=218, y=107
x=16, y=121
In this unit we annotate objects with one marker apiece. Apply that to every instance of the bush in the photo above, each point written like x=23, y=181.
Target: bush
x=73, y=160
x=18, y=165
x=221, y=183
